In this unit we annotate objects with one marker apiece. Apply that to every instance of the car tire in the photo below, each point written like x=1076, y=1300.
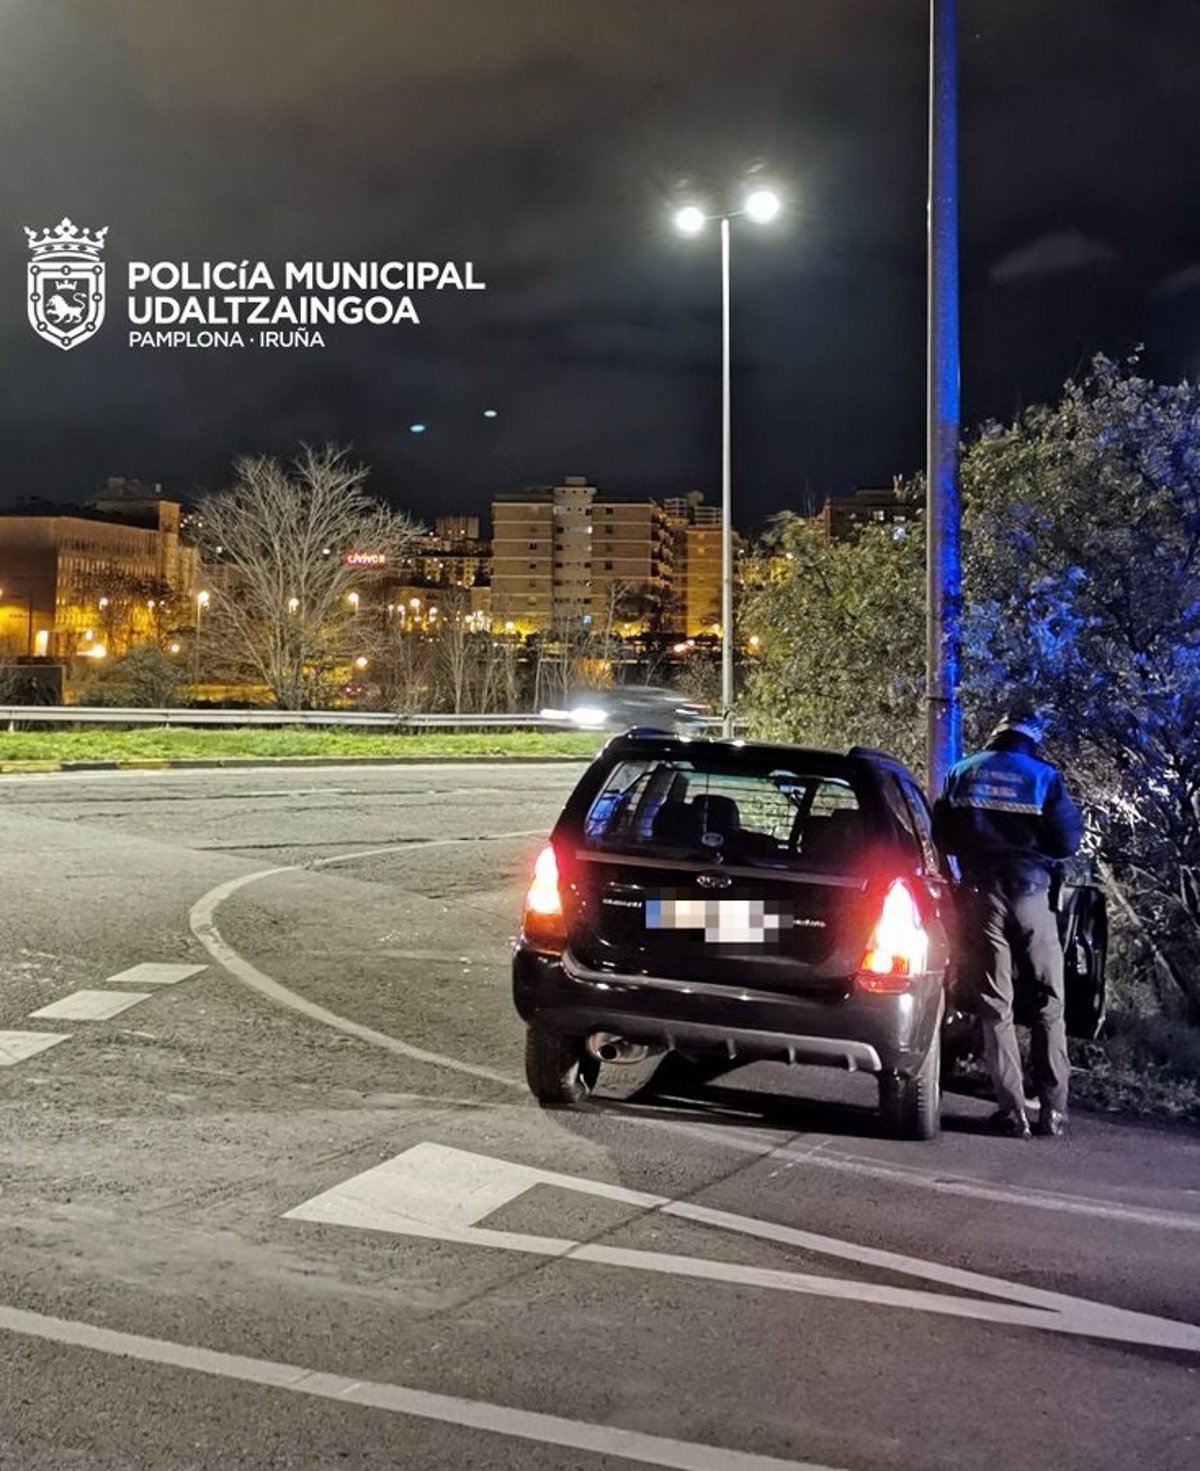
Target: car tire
x=559, y=1070
x=911, y=1108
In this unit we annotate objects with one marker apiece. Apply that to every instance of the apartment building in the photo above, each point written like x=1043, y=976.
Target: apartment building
x=566, y=555
x=842, y=517
x=695, y=606
x=454, y=555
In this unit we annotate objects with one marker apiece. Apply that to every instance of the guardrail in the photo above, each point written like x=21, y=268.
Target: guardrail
x=375, y=719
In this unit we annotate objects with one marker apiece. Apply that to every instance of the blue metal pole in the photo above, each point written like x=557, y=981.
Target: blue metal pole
x=942, y=501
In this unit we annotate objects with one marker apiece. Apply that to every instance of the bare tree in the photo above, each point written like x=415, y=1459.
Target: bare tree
x=501, y=674
x=464, y=652
x=290, y=551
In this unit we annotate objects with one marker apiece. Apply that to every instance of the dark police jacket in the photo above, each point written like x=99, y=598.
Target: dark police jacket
x=1004, y=813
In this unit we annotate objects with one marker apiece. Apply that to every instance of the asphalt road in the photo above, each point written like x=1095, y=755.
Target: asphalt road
x=290, y=1206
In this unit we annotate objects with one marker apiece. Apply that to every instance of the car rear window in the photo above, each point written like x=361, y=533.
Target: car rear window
x=678, y=808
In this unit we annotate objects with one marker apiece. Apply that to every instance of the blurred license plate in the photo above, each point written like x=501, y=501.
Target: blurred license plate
x=724, y=921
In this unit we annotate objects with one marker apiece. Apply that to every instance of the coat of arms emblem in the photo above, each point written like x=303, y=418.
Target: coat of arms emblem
x=66, y=283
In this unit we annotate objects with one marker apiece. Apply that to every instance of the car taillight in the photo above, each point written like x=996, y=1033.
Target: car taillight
x=899, y=947
x=543, y=919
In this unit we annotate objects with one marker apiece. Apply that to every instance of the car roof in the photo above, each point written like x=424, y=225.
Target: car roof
x=648, y=740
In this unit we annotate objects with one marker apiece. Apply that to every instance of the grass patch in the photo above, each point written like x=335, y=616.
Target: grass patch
x=189, y=743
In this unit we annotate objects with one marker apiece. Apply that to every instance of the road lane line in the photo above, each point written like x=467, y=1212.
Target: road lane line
x=440, y=1193
x=203, y=924
x=17, y=1046
x=91, y=1006
x=204, y=927
x=937, y=1181
x=422, y=1404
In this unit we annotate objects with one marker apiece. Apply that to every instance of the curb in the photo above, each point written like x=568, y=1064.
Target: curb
x=202, y=763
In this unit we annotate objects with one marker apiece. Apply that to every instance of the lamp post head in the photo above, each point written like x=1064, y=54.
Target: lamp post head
x=690, y=220
x=763, y=205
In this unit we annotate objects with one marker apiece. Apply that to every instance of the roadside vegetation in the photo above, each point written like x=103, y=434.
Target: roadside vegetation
x=1082, y=589
x=178, y=744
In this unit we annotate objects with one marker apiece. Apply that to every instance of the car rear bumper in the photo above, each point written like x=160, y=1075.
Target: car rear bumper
x=860, y=1032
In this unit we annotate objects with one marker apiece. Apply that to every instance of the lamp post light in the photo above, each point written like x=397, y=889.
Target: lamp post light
x=353, y=599
x=761, y=206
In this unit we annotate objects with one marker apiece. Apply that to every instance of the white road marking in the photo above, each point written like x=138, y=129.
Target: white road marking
x=506, y=1420
x=440, y=1194
x=154, y=973
x=17, y=1046
x=91, y=1006
x=204, y=927
x=817, y=1154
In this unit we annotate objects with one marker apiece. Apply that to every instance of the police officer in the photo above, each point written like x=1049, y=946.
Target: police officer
x=1006, y=816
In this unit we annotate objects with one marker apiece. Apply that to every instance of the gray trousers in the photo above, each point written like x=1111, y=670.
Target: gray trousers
x=1013, y=942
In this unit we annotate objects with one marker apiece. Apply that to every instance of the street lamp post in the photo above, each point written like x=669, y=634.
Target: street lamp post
x=761, y=206
x=201, y=603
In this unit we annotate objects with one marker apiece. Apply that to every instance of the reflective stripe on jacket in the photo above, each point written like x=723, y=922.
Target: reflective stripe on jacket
x=1006, y=813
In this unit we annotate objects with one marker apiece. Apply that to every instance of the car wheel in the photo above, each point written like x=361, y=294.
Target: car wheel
x=911, y=1108
x=561, y=1073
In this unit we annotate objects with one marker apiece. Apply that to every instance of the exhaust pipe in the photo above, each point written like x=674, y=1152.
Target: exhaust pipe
x=609, y=1047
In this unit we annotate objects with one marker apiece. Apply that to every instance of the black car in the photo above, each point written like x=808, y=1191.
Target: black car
x=734, y=901
x=743, y=901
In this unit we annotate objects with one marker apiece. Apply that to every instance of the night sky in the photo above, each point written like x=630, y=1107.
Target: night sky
x=549, y=143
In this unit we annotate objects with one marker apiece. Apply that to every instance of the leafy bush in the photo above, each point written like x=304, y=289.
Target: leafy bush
x=144, y=678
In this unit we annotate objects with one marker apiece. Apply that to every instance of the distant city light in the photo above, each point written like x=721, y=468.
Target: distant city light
x=416, y=428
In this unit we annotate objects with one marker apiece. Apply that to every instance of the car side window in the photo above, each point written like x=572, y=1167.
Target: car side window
x=900, y=810
x=924, y=823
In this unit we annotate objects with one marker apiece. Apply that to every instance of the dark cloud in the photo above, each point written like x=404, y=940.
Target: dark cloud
x=548, y=143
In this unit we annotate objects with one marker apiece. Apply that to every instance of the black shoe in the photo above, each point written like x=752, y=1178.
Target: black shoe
x=1051, y=1124
x=1009, y=1125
